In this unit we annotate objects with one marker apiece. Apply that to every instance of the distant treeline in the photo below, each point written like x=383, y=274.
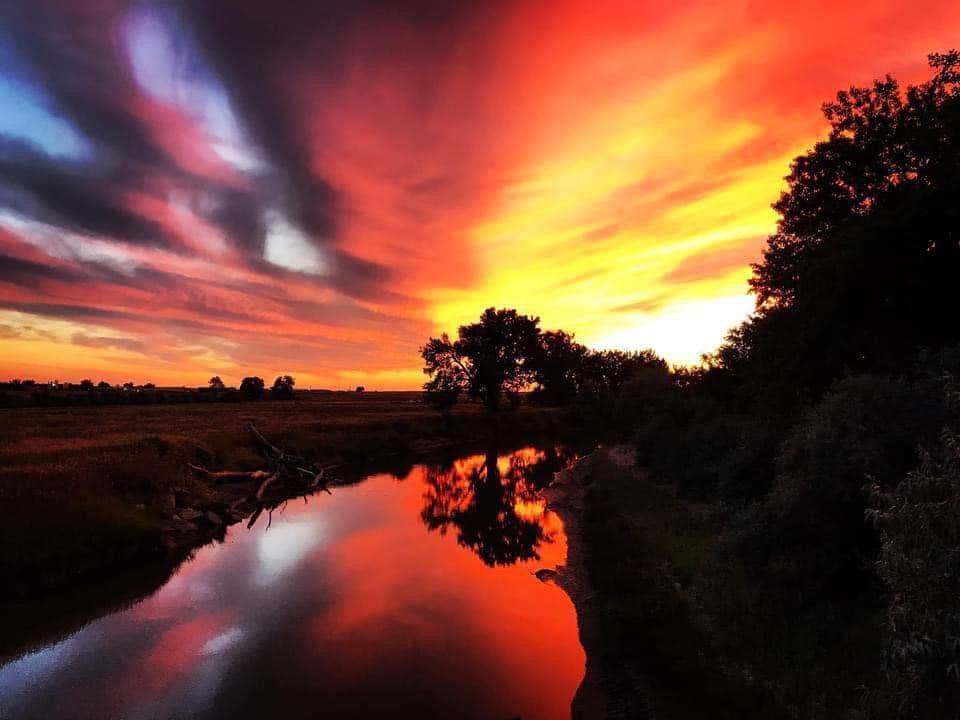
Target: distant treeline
x=30, y=393
x=823, y=436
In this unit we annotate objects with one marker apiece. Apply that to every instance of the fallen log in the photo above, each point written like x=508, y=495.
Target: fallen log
x=288, y=473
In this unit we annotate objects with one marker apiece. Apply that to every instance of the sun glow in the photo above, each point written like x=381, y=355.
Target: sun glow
x=221, y=207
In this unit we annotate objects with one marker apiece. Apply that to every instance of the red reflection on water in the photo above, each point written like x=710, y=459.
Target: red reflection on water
x=350, y=604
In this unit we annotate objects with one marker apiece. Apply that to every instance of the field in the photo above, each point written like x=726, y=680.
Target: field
x=87, y=489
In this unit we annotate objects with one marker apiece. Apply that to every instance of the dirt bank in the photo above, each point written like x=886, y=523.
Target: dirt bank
x=611, y=688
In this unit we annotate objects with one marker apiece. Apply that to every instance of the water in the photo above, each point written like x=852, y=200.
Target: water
x=397, y=597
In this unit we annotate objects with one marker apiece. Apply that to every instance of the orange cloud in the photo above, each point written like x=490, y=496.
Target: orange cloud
x=319, y=201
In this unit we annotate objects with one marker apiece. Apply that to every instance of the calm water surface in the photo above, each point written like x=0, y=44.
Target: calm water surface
x=398, y=597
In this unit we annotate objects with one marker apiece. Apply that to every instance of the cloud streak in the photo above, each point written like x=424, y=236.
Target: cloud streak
x=314, y=187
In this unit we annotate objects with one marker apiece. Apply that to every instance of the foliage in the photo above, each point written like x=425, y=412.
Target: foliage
x=283, y=388
x=559, y=367
x=216, y=383
x=919, y=523
x=506, y=353
x=489, y=359
x=866, y=246
x=251, y=387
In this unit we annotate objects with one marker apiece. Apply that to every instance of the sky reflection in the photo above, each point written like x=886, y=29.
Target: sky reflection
x=345, y=606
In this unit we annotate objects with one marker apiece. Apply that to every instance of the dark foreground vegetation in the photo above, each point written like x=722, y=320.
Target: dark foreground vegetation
x=800, y=524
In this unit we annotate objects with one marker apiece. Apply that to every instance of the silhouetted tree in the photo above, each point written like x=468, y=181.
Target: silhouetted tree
x=612, y=368
x=252, y=387
x=866, y=251
x=86, y=384
x=488, y=359
x=283, y=388
x=216, y=383
x=103, y=385
x=559, y=366
x=360, y=388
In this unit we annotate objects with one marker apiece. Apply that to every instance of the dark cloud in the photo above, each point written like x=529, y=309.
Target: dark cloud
x=70, y=196
x=69, y=312
x=26, y=273
x=75, y=53
x=99, y=341
x=72, y=51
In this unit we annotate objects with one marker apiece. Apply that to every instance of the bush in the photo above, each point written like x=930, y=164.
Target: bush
x=919, y=523
x=809, y=533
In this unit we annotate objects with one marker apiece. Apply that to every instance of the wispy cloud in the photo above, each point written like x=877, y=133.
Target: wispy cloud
x=238, y=186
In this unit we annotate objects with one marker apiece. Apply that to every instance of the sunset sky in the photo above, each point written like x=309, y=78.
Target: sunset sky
x=241, y=187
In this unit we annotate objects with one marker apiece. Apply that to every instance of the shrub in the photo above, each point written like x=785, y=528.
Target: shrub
x=919, y=523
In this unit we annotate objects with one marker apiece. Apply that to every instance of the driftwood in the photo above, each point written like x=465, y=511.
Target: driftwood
x=287, y=474
x=226, y=476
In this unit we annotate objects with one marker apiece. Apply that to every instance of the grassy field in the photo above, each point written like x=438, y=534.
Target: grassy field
x=82, y=488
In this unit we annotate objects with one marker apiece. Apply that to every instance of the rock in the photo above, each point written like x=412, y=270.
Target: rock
x=213, y=518
x=190, y=514
x=544, y=574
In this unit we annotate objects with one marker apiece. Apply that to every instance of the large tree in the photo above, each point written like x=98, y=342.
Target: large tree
x=489, y=358
x=867, y=250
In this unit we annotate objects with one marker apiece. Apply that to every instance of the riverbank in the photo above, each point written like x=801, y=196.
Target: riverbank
x=89, y=492
x=609, y=687
x=664, y=616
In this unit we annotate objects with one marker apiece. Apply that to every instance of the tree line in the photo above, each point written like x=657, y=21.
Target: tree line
x=28, y=392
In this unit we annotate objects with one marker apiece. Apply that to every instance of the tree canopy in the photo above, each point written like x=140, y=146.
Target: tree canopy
x=283, y=388
x=488, y=359
x=252, y=387
x=866, y=252
x=505, y=353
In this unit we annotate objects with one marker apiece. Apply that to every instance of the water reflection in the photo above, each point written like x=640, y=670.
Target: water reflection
x=346, y=607
x=493, y=502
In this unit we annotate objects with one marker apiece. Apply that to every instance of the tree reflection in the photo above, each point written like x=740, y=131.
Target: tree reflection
x=493, y=502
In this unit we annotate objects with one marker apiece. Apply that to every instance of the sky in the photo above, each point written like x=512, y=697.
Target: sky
x=237, y=187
